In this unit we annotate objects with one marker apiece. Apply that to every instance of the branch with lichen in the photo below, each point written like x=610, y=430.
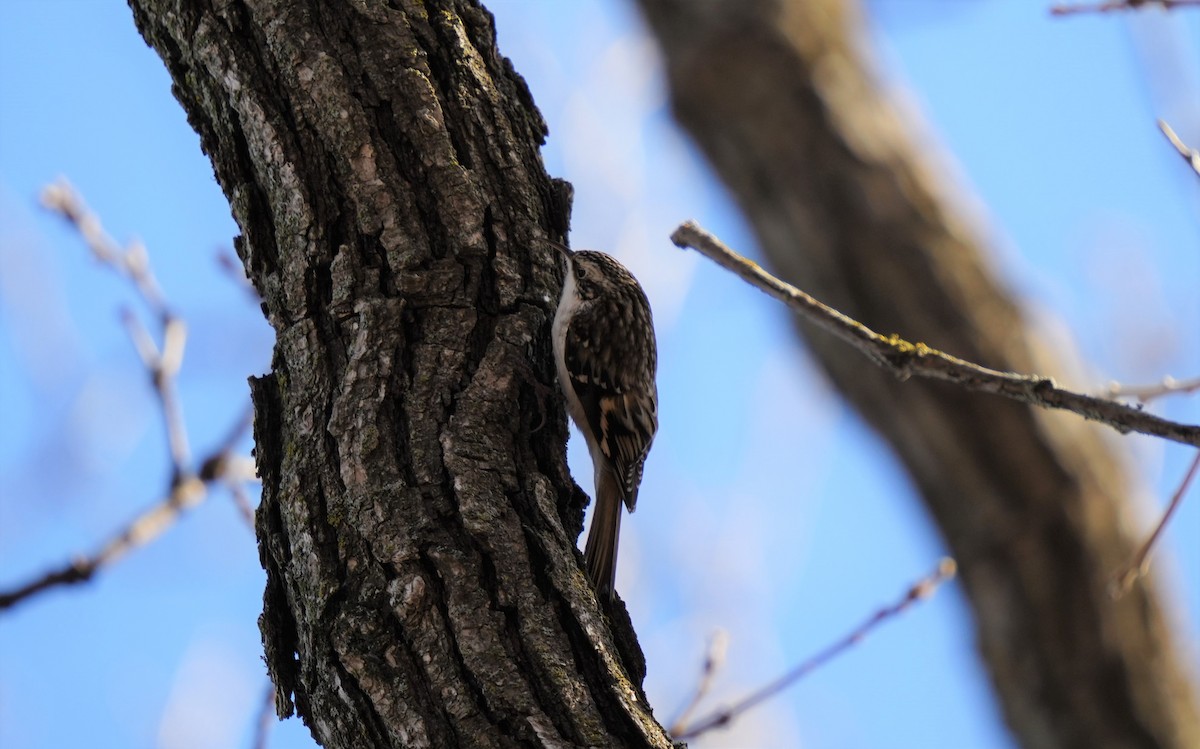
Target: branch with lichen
x=906, y=359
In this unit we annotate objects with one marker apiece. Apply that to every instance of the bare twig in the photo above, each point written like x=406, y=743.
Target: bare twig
x=133, y=262
x=1118, y=5
x=163, y=367
x=146, y=527
x=714, y=658
x=242, y=501
x=1139, y=565
x=922, y=589
x=1147, y=393
x=185, y=492
x=187, y=487
x=1190, y=155
x=905, y=359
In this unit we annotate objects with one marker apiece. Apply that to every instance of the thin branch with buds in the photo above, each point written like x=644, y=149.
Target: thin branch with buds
x=919, y=591
x=906, y=359
x=1139, y=565
x=133, y=262
x=188, y=487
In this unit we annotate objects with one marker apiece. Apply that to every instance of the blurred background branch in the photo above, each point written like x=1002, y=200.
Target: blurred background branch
x=787, y=104
x=1147, y=393
x=187, y=488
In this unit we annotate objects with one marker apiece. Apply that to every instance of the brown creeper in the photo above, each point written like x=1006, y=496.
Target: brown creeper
x=604, y=346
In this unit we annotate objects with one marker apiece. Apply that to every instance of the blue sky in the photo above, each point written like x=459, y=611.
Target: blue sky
x=779, y=518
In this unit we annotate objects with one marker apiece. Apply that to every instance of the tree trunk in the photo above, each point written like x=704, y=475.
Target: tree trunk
x=782, y=99
x=418, y=522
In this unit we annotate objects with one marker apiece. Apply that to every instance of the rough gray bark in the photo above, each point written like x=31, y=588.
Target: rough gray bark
x=783, y=101
x=417, y=522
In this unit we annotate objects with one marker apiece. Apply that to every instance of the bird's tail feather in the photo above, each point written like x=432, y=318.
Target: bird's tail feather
x=600, y=551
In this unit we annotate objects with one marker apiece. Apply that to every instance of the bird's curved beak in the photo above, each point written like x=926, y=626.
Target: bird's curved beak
x=567, y=252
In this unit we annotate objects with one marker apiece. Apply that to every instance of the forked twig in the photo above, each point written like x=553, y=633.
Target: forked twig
x=921, y=590
x=714, y=658
x=187, y=487
x=163, y=362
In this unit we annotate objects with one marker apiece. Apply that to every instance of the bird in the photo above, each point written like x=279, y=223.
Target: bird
x=607, y=359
